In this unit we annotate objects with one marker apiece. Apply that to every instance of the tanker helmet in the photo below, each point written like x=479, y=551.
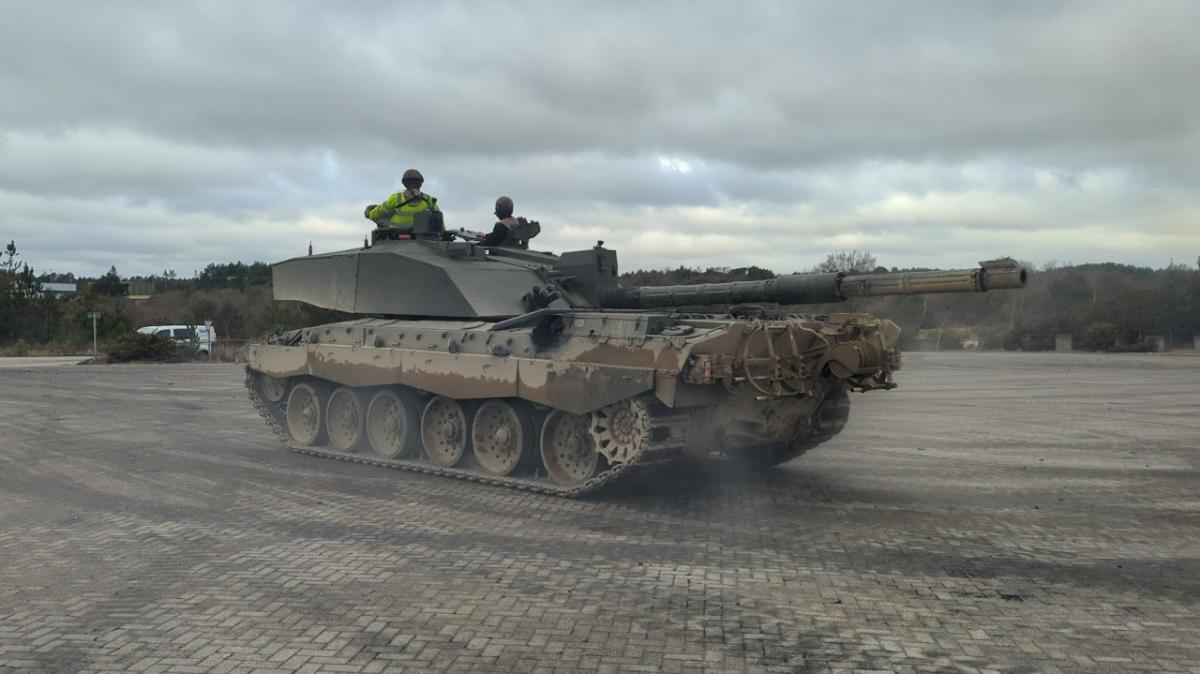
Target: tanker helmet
x=412, y=178
x=504, y=207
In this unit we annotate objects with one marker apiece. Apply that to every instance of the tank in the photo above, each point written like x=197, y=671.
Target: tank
x=539, y=371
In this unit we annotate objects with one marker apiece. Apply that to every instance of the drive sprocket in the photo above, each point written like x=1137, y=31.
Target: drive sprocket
x=621, y=430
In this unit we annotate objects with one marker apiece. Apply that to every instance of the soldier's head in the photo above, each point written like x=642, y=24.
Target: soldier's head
x=412, y=179
x=504, y=208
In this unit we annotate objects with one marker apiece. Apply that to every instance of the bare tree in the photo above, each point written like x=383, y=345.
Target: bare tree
x=848, y=261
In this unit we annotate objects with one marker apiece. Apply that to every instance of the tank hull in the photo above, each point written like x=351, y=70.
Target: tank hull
x=566, y=401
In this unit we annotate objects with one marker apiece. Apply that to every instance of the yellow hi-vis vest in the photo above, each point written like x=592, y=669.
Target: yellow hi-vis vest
x=399, y=210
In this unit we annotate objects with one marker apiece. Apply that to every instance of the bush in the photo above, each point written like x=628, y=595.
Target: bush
x=1027, y=338
x=19, y=348
x=1098, y=337
x=23, y=348
x=1136, y=347
x=950, y=341
x=137, y=347
x=993, y=341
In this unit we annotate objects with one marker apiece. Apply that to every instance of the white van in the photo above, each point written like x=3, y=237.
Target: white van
x=203, y=336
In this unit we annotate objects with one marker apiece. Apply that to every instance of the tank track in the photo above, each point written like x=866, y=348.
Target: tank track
x=833, y=415
x=273, y=414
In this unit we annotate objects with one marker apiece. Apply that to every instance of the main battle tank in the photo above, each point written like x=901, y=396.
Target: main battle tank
x=538, y=371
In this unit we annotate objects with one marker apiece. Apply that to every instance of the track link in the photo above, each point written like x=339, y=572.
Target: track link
x=273, y=414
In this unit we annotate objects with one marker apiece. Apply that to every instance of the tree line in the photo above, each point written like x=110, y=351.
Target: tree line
x=1106, y=306
x=235, y=296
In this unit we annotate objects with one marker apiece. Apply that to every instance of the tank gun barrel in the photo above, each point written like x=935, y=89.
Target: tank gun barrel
x=991, y=275
x=822, y=288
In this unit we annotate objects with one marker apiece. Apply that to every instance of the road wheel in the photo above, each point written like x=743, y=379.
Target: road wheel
x=304, y=415
x=502, y=436
x=393, y=419
x=344, y=419
x=568, y=450
x=272, y=389
x=444, y=431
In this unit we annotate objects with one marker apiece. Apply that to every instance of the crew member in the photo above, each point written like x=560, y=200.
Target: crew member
x=396, y=213
x=501, y=233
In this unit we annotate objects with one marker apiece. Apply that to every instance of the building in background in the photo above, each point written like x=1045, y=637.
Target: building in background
x=59, y=288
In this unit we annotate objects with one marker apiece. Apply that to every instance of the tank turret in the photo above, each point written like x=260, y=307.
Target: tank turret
x=460, y=279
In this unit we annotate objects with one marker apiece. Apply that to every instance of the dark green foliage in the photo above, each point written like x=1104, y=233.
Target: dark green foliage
x=950, y=341
x=849, y=261
x=685, y=275
x=110, y=284
x=201, y=311
x=993, y=341
x=1136, y=301
x=1098, y=337
x=1139, y=347
x=137, y=347
x=1027, y=337
x=19, y=297
x=282, y=316
x=233, y=275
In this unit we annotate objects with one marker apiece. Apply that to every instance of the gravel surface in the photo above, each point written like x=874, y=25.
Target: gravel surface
x=998, y=512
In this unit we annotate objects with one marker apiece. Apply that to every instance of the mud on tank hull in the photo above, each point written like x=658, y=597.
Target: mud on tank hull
x=564, y=401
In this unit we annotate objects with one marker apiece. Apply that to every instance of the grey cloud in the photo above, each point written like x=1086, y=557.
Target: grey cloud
x=760, y=85
x=169, y=134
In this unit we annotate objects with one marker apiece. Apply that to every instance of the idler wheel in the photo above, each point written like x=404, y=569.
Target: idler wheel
x=444, y=431
x=827, y=421
x=502, y=436
x=568, y=450
x=344, y=419
x=833, y=412
x=392, y=423
x=272, y=389
x=304, y=409
x=621, y=430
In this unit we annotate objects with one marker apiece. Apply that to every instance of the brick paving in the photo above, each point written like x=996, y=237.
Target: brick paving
x=998, y=513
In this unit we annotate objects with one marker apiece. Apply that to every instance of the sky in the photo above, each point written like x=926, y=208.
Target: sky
x=163, y=136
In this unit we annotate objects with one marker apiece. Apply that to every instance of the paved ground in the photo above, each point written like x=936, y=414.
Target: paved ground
x=1015, y=513
x=26, y=362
